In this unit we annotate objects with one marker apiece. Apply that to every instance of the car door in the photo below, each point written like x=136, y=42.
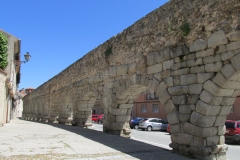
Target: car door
x=154, y=124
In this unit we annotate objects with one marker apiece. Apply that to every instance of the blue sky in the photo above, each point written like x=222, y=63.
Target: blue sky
x=58, y=32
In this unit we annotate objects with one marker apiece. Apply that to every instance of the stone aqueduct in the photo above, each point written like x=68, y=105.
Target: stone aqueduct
x=196, y=76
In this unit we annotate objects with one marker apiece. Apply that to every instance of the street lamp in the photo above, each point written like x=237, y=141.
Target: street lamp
x=27, y=57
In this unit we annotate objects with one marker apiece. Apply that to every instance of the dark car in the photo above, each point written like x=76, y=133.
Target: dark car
x=232, y=130
x=135, y=122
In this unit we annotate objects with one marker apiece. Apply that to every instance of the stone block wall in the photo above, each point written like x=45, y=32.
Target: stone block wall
x=3, y=78
x=196, y=75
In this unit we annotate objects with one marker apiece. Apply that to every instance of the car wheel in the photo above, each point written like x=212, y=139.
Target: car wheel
x=149, y=128
x=136, y=127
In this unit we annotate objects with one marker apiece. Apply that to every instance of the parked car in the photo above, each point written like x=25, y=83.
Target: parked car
x=135, y=122
x=94, y=118
x=153, y=124
x=168, y=129
x=232, y=130
x=100, y=119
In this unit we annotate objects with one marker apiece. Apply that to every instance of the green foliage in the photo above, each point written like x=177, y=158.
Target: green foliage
x=108, y=52
x=184, y=28
x=3, y=51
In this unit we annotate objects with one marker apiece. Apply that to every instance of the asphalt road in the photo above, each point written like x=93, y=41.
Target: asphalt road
x=162, y=139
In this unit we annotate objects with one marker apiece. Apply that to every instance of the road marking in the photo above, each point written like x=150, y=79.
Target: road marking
x=152, y=143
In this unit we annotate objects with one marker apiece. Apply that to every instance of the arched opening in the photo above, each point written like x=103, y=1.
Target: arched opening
x=66, y=112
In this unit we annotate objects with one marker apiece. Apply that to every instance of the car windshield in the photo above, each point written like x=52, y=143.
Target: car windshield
x=230, y=125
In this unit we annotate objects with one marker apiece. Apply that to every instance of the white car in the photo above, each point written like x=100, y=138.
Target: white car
x=153, y=124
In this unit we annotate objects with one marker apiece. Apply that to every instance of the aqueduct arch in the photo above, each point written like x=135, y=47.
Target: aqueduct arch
x=194, y=71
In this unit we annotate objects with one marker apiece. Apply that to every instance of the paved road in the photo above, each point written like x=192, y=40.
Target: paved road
x=22, y=139
x=162, y=139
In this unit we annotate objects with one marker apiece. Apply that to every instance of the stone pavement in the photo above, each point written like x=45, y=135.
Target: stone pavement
x=21, y=139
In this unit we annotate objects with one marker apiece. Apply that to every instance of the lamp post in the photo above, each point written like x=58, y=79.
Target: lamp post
x=27, y=57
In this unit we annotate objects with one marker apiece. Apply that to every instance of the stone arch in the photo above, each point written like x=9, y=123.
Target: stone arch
x=118, y=113
x=55, y=103
x=85, y=103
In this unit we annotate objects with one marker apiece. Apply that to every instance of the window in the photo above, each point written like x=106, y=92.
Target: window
x=155, y=108
x=143, y=108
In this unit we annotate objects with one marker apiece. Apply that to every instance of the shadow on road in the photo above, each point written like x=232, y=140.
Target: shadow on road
x=128, y=146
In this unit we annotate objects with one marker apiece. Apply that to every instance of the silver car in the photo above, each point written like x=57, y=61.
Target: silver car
x=153, y=124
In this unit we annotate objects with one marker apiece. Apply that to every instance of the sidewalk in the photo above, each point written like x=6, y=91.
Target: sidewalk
x=25, y=140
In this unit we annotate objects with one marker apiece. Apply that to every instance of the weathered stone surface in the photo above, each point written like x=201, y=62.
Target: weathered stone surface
x=123, y=118
x=198, y=45
x=211, y=59
x=193, y=63
x=179, y=51
x=184, y=117
x=179, y=65
x=220, y=121
x=188, y=79
x=195, y=88
x=173, y=117
x=228, y=70
x=160, y=88
x=235, y=61
x=218, y=38
x=234, y=36
x=210, y=99
x=197, y=69
x=151, y=58
x=185, y=108
x=168, y=64
x=205, y=53
x=221, y=49
x=132, y=67
x=179, y=99
x=178, y=90
x=201, y=120
x=213, y=67
x=154, y=69
x=207, y=110
x=203, y=77
x=116, y=111
x=180, y=72
x=225, y=110
x=221, y=81
x=215, y=90
x=233, y=46
x=221, y=130
x=164, y=96
x=169, y=106
x=168, y=81
x=212, y=140
x=227, y=55
x=163, y=55
x=228, y=101
x=199, y=131
x=125, y=106
x=123, y=69
x=192, y=99
x=175, y=128
x=182, y=138
x=177, y=80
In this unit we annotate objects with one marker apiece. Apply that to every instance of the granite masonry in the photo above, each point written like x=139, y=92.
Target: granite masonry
x=187, y=52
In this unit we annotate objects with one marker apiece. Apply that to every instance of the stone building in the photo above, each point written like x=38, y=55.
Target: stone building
x=9, y=79
x=187, y=52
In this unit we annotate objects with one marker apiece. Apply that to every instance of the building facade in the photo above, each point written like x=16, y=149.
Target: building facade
x=9, y=80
